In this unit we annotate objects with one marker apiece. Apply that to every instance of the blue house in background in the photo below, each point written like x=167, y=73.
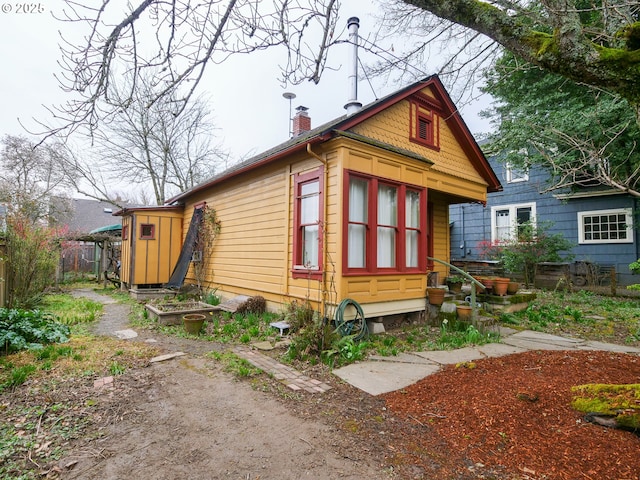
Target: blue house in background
x=599, y=221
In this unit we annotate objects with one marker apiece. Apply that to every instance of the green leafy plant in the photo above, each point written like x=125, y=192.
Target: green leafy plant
x=532, y=245
x=455, y=279
x=116, y=368
x=17, y=376
x=459, y=334
x=236, y=365
x=344, y=350
x=22, y=329
x=211, y=297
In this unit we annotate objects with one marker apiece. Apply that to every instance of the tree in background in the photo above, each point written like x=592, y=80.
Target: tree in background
x=148, y=143
x=596, y=43
x=33, y=254
x=29, y=177
x=583, y=136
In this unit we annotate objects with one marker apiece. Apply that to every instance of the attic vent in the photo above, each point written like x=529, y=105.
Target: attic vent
x=108, y=210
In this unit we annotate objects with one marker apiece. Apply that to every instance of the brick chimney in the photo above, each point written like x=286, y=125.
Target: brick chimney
x=301, y=121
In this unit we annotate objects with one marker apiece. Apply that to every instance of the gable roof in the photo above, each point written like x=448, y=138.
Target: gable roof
x=82, y=215
x=338, y=127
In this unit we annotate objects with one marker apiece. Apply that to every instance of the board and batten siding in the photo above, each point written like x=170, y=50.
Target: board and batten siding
x=126, y=251
x=154, y=259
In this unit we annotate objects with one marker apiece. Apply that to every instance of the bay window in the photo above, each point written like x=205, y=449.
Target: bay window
x=385, y=226
x=358, y=220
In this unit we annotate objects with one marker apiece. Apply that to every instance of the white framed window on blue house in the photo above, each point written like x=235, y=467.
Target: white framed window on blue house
x=515, y=174
x=506, y=220
x=605, y=226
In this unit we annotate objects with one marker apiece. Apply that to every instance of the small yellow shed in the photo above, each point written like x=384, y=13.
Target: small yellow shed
x=151, y=244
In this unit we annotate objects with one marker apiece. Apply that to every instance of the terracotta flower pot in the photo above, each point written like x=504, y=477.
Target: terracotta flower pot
x=512, y=288
x=193, y=322
x=454, y=287
x=500, y=286
x=464, y=312
x=488, y=283
x=436, y=295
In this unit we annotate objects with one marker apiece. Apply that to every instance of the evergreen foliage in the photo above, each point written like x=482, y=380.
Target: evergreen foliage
x=582, y=135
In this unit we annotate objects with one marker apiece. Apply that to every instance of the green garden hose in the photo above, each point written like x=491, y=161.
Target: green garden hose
x=357, y=326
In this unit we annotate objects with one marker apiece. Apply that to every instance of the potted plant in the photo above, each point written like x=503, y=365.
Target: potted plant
x=464, y=312
x=513, y=288
x=193, y=322
x=436, y=295
x=500, y=285
x=488, y=283
x=454, y=282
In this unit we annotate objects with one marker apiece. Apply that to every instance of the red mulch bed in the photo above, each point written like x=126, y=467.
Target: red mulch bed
x=511, y=417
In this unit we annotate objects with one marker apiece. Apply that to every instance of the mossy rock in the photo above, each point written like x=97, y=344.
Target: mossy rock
x=619, y=402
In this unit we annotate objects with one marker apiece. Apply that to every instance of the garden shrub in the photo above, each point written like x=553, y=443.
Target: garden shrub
x=23, y=329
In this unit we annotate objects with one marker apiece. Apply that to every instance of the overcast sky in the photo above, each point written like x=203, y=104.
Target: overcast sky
x=246, y=95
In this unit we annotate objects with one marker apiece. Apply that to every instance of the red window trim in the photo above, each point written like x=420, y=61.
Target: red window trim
x=125, y=232
x=417, y=113
x=152, y=235
x=371, y=240
x=297, y=270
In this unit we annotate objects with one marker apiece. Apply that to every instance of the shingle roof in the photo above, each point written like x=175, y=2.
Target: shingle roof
x=83, y=215
x=339, y=125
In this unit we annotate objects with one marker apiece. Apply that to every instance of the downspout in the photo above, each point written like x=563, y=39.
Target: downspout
x=324, y=228
x=463, y=242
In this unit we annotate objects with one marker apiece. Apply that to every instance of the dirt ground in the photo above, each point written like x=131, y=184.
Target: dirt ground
x=186, y=418
x=506, y=418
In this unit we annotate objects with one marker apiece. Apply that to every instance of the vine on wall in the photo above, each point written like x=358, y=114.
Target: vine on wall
x=208, y=231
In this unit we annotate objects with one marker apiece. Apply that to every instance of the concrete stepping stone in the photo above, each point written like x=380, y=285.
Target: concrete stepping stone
x=608, y=347
x=452, y=357
x=401, y=358
x=125, y=334
x=542, y=341
x=499, y=349
x=377, y=378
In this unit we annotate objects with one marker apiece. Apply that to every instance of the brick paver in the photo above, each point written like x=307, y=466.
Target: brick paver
x=283, y=373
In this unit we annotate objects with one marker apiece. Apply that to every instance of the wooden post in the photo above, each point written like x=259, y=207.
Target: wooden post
x=614, y=280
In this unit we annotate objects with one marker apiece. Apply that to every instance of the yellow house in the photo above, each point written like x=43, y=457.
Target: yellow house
x=349, y=210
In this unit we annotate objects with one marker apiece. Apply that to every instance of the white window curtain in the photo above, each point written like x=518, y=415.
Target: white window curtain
x=412, y=212
x=387, y=223
x=358, y=194
x=310, y=245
